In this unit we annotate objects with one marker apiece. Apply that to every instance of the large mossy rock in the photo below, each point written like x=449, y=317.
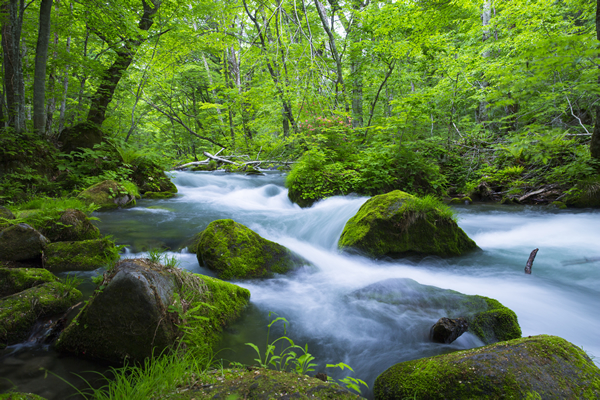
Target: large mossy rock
x=6, y=213
x=149, y=177
x=260, y=383
x=233, y=251
x=487, y=318
x=86, y=255
x=108, y=195
x=397, y=223
x=20, y=311
x=71, y=225
x=538, y=367
x=142, y=308
x=14, y=280
x=21, y=242
x=84, y=135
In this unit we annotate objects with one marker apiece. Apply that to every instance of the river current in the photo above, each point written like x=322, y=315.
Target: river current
x=559, y=298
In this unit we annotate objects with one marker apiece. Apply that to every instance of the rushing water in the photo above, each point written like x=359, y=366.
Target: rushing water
x=317, y=300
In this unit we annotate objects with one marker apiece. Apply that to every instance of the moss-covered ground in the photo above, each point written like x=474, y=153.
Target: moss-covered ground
x=14, y=280
x=83, y=255
x=544, y=366
x=19, y=311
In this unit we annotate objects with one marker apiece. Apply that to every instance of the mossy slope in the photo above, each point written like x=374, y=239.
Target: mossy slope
x=15, y=280
x=262, y=383
x=234, y=251
x=160, y=305
x=546, y=366
x=398, y=223
x=19, y=311
x=108, y=195
x=85, y=255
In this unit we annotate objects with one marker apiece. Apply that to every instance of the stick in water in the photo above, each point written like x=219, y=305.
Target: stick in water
x=530, y=261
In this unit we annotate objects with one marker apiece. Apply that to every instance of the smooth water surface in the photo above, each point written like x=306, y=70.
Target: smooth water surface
x=318, y=300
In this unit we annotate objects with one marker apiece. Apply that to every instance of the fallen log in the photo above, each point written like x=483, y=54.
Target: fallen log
x=220, y=159
x=530, y=261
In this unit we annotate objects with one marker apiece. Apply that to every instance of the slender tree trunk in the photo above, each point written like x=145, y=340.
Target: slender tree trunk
x=486, y=16
x=595, y=143
x=41, y=60
x=13, y=67
x=63, y=103
x=110, y=80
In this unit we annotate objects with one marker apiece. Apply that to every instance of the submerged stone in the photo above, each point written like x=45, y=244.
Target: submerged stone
x=141, y=308
x=487, y=318
x=20, y=311
x=108, y=195
x=538, y=367
x=233, y=251
x=86, y=255
x=447, y=330
x=14, y=280
x=397, y=223
x=72, y=225
x=21, y=242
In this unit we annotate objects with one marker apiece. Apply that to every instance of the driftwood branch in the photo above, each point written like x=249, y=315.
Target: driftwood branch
x=220, y=159
x=582, y=261
x=530, y=261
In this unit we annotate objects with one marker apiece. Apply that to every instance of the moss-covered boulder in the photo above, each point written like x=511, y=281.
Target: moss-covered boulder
x=85, y=255
x=71, y=225
x=14, y=280
x=158, y=195
x=160, y=304
x=84, y=135
x=21, y=242
x=397, y=223
x=149, y=177
x=20, y=396
x=108, y=195
x=233, y=251
x=260, y=383
x=487, y=318
x=20, y=311
x=6, y=213
x=538, y=367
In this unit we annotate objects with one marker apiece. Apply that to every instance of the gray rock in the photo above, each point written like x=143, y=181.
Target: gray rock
x=447, y=330
x=6, y=213
x=21, y=242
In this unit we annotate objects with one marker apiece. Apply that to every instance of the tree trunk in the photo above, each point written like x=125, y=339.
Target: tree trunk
x=486, y=16
x=41, y=60
x=110, y=80
x=595, y=143
x=13, y=68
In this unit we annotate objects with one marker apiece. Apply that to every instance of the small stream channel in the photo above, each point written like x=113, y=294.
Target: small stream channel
x=369, y=336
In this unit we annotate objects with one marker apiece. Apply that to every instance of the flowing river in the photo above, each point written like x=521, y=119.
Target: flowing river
x=369, y=336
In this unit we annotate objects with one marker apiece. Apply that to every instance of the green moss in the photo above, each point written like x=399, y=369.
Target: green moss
x=131, y=188
x=150, y=177
x=158, y=195
x=14, y=280
x=192, y=243
x=558, y=204
x=398, y=223
x=260, y=383
x=235, y=251
x=108, y=195
x=20, y=396
x=70, y=224
x=6, y=213
x=546, y=365
x=19, y=311
x=498, y=323
x=461, y=200
x=83, y=255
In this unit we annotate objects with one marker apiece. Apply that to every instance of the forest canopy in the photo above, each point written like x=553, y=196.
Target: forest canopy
x=490, y=98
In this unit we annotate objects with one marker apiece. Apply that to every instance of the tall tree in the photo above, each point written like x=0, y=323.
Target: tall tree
x=41, y=59
x=126, y=49
x=595, y=143
x=13, y=67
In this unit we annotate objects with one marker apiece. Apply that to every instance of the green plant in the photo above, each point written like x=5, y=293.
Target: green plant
x=158, y=255
x=287, y=357
x=348, y=381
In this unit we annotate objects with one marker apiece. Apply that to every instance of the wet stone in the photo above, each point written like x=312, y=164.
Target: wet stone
x=447, y=330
